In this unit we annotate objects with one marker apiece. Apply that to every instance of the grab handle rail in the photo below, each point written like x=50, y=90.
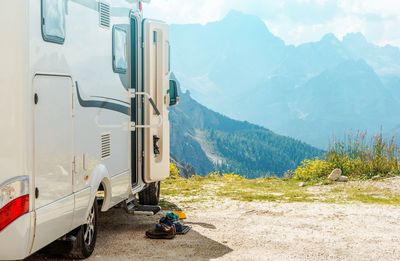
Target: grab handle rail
x=134, y=94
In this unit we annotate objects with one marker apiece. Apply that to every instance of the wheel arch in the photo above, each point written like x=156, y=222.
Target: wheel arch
x=100, y=178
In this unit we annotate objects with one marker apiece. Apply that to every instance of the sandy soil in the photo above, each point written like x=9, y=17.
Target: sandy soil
x=231, y=230
x=391, y=184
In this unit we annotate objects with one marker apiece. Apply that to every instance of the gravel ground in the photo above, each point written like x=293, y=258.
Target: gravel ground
x=231, y=230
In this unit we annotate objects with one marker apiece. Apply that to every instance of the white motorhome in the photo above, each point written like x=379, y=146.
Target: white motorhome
x=84, y=98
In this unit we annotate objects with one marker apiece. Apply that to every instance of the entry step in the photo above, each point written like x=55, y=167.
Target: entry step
x=144, y=210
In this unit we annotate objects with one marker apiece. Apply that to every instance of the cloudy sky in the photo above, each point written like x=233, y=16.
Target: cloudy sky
x=295, y=21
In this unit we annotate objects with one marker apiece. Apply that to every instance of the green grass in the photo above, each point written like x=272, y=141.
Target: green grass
x=234, y=187
x=265, y=189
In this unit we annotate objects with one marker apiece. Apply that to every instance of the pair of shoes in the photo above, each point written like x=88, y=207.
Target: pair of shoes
x=162, y=231
x=172, y=219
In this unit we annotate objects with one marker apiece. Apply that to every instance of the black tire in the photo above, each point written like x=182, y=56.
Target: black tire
x=151, y=195
x=86, y=236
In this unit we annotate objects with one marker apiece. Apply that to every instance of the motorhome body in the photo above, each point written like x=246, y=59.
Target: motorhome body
x=84, y=107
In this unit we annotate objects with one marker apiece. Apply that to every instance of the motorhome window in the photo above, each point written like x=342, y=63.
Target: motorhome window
x=53, y=21
x=120, y=61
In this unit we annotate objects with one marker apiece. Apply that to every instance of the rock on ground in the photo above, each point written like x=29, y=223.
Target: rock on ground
x=335, y=174
x=342, y=179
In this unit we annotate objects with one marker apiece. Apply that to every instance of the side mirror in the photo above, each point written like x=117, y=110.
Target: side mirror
x=173, y=93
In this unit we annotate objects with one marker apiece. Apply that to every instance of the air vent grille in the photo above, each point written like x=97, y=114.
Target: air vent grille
x=105, y=15
x=105, y=146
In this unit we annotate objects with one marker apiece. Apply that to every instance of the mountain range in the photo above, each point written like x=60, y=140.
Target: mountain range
x=311, y=92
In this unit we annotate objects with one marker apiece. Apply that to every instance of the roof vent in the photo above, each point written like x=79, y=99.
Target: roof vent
x=105, y=146
x=105, y=15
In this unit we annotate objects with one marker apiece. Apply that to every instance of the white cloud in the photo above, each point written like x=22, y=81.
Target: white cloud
x=296, y=21
x=378, y=7
x=181, y=11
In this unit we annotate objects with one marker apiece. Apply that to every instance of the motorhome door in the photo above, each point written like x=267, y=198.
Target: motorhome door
x=156, y=83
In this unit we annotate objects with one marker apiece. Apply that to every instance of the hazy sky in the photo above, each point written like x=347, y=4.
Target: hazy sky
x=296, y=21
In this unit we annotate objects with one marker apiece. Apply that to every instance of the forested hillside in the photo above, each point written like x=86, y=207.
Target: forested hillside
x=209, y=141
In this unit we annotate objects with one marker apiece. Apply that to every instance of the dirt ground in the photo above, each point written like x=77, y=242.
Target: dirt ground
x=231, y=230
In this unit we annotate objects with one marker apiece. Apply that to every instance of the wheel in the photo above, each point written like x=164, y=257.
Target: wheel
x=150, y=195
x=86, y=235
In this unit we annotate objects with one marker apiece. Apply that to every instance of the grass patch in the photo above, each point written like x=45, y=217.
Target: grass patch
x=215, y=186
x=264, y=189
x=357, y=193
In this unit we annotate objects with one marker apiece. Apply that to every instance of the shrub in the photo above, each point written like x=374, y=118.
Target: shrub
x=360, y=159
x=174, y=171
x=353, y=168
x=357, y=158
x=310, y=170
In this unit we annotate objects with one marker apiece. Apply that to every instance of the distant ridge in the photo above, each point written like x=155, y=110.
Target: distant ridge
x=238, y=67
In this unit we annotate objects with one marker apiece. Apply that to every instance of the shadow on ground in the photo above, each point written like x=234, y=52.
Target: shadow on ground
x=122, y=237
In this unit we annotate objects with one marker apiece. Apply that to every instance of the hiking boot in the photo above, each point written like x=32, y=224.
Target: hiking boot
x=162, y=231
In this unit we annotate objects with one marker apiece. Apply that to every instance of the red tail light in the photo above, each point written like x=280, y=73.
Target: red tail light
x=13, y=210
x=14, y=200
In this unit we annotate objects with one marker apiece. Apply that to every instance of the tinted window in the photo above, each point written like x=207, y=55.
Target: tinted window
x=53, y=20
x=120, y=63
